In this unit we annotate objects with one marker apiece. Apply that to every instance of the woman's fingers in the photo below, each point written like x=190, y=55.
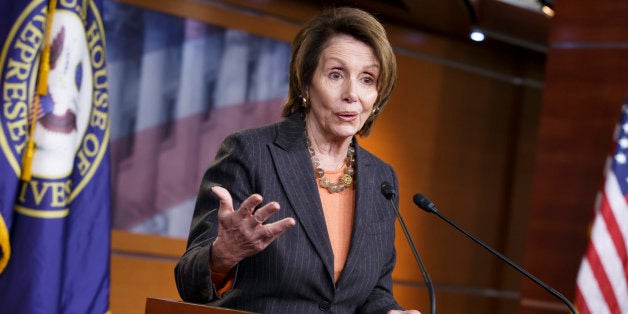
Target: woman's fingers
x=275, y=229
x=248, y=205
x=262, y=213
x=226, y=203
x=243, y=231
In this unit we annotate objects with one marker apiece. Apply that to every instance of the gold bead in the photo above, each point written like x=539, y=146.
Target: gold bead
x=346, y=180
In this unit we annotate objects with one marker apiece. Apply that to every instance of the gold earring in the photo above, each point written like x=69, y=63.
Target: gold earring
x=304, y=102
x=375, y=111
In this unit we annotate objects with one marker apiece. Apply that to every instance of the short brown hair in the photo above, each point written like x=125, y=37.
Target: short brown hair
x=310, y=41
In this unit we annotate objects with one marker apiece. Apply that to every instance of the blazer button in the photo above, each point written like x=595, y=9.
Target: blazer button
x=324, y=306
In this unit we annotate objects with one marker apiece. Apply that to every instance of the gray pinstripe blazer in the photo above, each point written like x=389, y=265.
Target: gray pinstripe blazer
x=294, y=274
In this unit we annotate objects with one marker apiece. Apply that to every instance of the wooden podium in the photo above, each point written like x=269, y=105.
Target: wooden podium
x=166, y=306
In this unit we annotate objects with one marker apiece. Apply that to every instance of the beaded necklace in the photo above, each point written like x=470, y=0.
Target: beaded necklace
x=345, y=181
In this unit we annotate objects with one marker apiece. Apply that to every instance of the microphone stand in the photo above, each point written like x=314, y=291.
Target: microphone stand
x=389, y=192
x=425, y=204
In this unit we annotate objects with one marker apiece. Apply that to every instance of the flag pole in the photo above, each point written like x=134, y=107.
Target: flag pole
x=42, y=90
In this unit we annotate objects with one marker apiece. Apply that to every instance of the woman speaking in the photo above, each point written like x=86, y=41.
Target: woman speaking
x=289, y=217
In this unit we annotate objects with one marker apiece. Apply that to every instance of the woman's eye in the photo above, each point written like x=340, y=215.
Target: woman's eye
x=335, y=75
x=368, y=80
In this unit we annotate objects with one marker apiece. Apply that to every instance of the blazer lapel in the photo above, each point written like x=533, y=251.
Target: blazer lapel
x=363, y=205
x=291, y=156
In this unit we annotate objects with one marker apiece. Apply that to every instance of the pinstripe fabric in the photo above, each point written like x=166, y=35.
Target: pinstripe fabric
x=294, y=274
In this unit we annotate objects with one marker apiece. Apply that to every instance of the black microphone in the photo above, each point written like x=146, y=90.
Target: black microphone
x=425, y=204
x=389, y=192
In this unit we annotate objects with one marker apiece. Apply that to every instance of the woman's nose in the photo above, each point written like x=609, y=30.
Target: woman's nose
x=349, y=92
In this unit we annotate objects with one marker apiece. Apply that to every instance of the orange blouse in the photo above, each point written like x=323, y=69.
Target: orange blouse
x=338, y=209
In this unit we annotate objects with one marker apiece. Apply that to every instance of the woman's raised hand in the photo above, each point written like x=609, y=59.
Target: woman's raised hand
x=243, y=233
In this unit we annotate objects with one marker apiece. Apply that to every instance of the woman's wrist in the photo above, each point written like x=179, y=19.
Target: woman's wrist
x=220, y=260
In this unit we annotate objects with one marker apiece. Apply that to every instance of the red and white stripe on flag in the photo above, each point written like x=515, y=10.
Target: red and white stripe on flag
x=602, y=285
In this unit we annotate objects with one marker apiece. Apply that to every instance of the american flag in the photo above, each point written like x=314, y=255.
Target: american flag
x=602, y=285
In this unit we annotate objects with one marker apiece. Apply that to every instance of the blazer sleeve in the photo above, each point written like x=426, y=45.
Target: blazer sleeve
x=231, y=169
x=381, y=299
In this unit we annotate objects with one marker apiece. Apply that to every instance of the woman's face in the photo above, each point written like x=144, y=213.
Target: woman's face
x=343, y=88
